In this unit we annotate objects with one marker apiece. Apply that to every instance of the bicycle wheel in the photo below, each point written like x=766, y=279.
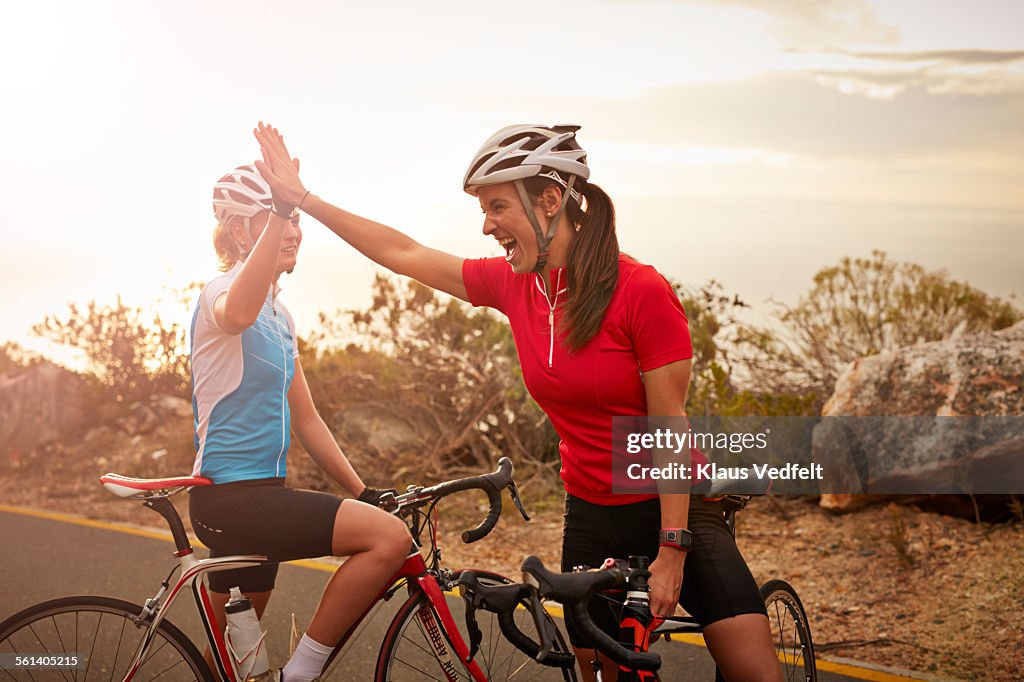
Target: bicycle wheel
x=411, y=647
x=100, y=630
x=791, y=633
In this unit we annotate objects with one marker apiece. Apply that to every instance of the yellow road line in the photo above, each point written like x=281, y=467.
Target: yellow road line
x=863, y=673
x=554, y=609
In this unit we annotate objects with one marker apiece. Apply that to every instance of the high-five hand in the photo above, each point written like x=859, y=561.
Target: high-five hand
x=278, y=168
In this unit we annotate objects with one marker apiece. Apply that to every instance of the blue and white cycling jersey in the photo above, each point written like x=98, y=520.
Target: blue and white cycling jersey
x=240, y=394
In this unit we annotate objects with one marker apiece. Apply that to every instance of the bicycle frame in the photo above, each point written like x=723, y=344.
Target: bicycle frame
x=430, y=580
x=414, y=572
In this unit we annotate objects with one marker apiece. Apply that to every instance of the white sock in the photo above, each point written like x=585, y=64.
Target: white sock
x=308, y=660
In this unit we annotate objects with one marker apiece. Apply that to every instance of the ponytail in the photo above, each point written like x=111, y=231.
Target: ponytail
x=592, y=263
x=592, y=267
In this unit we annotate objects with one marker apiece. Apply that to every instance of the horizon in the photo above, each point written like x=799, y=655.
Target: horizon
x=750, y=143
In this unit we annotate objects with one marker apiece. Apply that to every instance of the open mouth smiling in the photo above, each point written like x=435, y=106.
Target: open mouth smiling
x=509, y=244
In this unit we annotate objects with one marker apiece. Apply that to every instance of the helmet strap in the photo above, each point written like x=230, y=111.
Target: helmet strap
x=543, y=240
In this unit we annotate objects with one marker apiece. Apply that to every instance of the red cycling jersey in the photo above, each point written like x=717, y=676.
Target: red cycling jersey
x=644, y=327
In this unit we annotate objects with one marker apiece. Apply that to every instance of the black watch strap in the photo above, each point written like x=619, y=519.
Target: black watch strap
x=679, y=538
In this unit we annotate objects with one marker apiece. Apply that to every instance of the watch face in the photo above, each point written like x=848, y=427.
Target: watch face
x=681, y=539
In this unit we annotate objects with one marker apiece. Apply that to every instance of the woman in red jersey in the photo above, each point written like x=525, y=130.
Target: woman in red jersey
x=599, y=335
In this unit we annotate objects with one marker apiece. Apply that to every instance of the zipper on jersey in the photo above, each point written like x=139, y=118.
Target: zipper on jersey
x=284, y=380
x=542, y=286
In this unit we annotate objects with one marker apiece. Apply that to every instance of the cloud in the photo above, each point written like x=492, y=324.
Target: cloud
x=888, y=84
x=798, y=114
x=952, y=57
x=819, y=23
x=939, y=72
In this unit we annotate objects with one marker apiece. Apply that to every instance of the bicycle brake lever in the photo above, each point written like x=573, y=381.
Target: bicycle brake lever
x=475, y=636
x=513, y=490
x=471, y=598
x=537, y=611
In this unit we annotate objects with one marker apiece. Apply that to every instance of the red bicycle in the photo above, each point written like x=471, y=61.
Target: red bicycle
x=638, y=628
x=113, y=639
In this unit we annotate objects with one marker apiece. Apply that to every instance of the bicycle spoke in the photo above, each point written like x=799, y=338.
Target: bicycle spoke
x=41, y=646
x=120, y=638
x=493, y=642
x=152, y=654
x=60, y=639
x=418, y=645
x=92, y=650
x=87, y=627
x=173, y=665
x=14, y=650
x=419, y=670
x=425, y=648
x=510, y=657
x=797, y=657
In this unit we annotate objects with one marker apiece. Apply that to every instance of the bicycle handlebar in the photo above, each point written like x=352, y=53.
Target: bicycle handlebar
x=492, y=484
x=574, y=591
x=503, y=600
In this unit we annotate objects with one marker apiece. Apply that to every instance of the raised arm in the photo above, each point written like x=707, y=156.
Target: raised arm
x=383, y=245
x=238, y=309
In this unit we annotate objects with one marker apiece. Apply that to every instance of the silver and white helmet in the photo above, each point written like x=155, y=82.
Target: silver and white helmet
x=242, y=192
x=525, y=151
x=518, y=152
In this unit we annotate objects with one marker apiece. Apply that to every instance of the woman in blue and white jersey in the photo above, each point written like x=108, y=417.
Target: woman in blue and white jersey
x=249, y=395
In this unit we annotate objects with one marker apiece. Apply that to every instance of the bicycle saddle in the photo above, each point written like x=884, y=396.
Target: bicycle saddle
x=123, y=486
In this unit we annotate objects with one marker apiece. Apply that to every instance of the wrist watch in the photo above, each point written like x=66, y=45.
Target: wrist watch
x=679, y=538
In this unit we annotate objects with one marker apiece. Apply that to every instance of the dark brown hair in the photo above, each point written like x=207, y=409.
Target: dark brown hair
x=592, y=264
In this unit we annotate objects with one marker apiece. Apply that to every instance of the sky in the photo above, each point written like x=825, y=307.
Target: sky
x=749, y=141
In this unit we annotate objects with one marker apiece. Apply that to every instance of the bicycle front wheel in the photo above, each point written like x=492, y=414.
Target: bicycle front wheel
x=791, y=632
x=101, y=632
x=416, y=648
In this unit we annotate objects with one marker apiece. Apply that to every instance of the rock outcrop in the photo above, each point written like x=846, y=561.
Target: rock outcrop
x=980, y=375
x=40, y=405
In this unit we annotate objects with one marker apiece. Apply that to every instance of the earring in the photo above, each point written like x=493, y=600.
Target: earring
x=548, y=214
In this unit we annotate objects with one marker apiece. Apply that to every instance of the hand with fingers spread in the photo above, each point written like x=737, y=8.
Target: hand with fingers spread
x=278, y=168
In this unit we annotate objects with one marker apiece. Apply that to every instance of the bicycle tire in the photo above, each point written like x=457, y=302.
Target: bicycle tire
x=60, y=627
x=791, y=631
x=406, y=652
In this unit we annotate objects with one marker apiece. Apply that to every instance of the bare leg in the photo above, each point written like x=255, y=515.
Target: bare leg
x=377, y=544
x=742, y=649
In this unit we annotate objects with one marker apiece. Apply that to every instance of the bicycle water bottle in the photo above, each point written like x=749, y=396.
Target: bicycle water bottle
x=245, y=639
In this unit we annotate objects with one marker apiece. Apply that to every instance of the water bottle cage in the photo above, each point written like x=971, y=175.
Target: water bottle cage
x=242, y=672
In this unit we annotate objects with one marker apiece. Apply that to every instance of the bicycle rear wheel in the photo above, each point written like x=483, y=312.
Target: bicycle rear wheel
x=791, y=632
x=101, y=631
x=410, y=648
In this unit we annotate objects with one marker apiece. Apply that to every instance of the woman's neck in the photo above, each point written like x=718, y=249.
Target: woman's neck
x=558, y=252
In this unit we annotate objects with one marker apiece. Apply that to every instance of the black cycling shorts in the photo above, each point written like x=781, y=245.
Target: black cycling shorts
x=716, y=581
x=261, y=517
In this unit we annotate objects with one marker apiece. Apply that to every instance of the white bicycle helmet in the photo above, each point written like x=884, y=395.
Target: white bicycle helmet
x=518, y=152
x=242, y=192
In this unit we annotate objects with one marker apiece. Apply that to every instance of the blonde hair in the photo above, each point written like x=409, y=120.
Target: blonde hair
x=226, y=247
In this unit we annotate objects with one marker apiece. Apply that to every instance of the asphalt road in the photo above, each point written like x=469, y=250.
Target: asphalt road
x=47, y=558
